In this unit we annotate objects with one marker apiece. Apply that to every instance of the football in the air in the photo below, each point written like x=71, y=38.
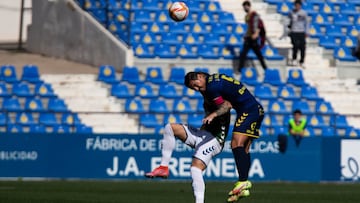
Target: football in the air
x=178, y=11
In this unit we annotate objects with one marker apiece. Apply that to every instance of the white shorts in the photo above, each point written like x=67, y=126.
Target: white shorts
x=206, y=145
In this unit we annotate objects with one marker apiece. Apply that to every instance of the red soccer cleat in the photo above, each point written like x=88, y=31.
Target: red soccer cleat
x=161, y=172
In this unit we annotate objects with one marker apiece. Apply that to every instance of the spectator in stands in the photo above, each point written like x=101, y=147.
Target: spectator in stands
x=356, y=50
x=297, y=125
x=253, y=35
x=299, y=29
x=211, y=136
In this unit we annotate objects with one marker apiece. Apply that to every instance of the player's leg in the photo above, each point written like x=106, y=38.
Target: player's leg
x=246, y=129
x=168, y=144
x=204, y=151
x=243, y=54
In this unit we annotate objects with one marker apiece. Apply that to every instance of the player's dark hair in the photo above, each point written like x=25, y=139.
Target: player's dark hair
x=246, y=3
x=297, y=111
x=192, y=76
x=298, y=2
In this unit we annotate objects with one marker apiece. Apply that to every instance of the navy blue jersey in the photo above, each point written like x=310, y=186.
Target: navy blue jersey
x=220, y=87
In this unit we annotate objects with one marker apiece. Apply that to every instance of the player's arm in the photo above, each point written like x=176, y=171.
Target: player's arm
x=224, y=106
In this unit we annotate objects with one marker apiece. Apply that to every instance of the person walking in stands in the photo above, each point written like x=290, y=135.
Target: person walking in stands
x=251, y=38
x=297, y=126
x=299, y=29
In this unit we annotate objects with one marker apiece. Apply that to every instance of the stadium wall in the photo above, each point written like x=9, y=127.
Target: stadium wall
x=69, y=156
x=62, y=29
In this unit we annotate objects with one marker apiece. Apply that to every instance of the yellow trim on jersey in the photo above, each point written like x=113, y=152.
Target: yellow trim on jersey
x=246, y=134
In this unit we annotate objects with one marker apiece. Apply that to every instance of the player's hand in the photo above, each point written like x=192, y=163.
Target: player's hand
x=209, y=118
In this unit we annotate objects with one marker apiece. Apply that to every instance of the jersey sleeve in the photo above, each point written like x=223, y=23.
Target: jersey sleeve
x=213, y=93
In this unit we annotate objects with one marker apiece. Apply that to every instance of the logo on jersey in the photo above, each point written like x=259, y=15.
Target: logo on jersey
x=208, y=150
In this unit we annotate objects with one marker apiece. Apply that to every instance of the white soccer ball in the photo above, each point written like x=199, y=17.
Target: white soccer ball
x=178, y=11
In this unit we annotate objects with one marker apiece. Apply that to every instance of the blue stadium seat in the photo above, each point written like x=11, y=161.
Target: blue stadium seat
x=93, y=4
x=170, y=38
x=281, y=130
x=168, y=91
x=271, y=53
x=8, y=74
x=309, y=132
x=148, y=120
x=131, y=75
x=158, y=106
x=162, y=17
x=83, y=129
x=3, y=119
x=145, y=90
x=24, y=118
x=211, y=38
x=134, y=106
x=272, y=77
x=328, y=42
x=343, y=54
x=14, y=128
x=61, y=129
x=227, y=71
x=147, y=38
x=212, y=6
x=201, y=69
x=249, y=76
x=303, y=106
x=185, y=51
x=172, y=118
x=182, y=106
x=316, y=121
x=190, y=93
x=320, y=19
x=278, y=107
x=323, y=107
x=195, y=120
x=309, y=93
x=295, y=77
x=44, y=90
x=226, y=17
x=227, y=52
x=37, y=129
x=284, y=7
x=200, y=106
x=48, y=119
x=164, y=51
x=3, y=90
x=154, y=75
x=357, y=20
x=352, y=31
x=206, y=52
x=328, y=131
x=120, y=90
x=327, y=8
x=234, y=40
x=70, y=119
x=34, y=105
x=142, y=16
x=205, y=17
x=57, y=105
x=151, y=5
x=239, y=28
x=219, y=28
x=177, y=27
x=191, y=38
x=348, y=41
x=177, y=75
x=270, y=121
x=287, y=92
x=99, y=15
x=143, y=51
x=11, y=105
x=342, y=19
x=315, y=31
x=264, y=92
x=334, y=30
x=339, y=121
x=107, y=74
x=194, y=6
x=352, y=132
x=31, y=74
x=21, y=89
x=309, y=7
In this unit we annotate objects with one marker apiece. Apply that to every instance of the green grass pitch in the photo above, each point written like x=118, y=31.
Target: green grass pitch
x=164, y=191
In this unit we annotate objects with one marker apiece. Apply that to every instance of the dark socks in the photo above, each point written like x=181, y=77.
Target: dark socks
x=242, y=161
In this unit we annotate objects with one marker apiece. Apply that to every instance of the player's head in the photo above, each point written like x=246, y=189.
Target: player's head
x=196, y=80
x=297, y=114
x=297, y=4
x=246, y=5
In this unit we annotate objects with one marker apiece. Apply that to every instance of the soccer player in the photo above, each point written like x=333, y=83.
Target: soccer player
x=207, y=142
x=227, y=93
